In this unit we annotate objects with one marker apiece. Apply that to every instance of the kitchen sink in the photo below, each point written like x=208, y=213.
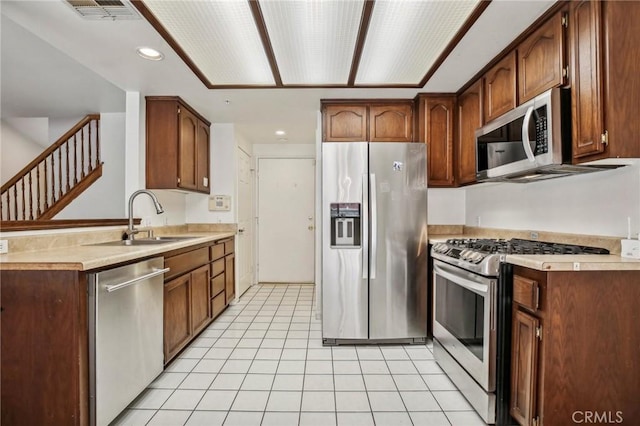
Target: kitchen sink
x=144, y=241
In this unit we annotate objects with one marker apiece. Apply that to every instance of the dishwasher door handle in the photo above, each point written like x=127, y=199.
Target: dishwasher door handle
x=127, y=283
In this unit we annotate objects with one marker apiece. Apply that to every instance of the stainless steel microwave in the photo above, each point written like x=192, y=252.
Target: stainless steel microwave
x=527, y=140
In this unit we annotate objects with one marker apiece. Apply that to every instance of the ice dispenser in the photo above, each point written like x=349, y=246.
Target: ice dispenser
x=345, y=225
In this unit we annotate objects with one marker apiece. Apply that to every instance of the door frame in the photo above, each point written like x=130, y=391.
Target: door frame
x=253, y=216
x=278, y=156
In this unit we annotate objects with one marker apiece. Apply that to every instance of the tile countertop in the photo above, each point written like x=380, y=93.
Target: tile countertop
x=87, y=257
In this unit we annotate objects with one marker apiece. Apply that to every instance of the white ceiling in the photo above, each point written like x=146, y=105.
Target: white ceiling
x=108, y=49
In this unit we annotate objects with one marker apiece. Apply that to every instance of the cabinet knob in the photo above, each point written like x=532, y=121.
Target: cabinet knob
x=240, y=230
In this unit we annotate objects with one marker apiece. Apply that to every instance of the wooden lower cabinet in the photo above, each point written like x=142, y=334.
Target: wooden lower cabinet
x=200, y=298
x=229, y=280
x=575, y=346
x=524, y=366
x=199, y=289
x=44, y=348
x=177, y=315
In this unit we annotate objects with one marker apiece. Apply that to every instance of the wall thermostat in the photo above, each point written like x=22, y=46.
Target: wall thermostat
x=220, y=203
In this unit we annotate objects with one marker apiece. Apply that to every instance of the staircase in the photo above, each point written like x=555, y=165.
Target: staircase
x=56, y=177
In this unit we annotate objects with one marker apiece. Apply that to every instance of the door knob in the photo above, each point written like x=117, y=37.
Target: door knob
x=240, y=230
x=310, y=228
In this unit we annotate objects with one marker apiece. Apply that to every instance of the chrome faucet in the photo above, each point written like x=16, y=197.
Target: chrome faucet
x=131, y=230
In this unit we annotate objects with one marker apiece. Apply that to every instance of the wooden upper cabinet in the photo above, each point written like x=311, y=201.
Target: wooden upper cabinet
x=469, y=119
x=391, y=122
x=500, y=88
x=435, y=127
x=187, y=149
x=344, y=123
x=177, y=146
x=586, y=78
x=366, y=121
x=541, y=63
x=202, y=157
x=604, y=40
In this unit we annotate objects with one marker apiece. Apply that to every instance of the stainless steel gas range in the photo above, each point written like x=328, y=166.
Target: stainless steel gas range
x=472, y=293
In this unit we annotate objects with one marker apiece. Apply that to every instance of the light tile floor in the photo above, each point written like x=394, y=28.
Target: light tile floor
x=262, y=363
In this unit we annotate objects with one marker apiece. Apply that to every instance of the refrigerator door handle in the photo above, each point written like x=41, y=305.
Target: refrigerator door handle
x=365, y=226
x=374, y=226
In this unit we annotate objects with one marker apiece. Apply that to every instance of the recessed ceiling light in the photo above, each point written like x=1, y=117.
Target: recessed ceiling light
x=150, y=53
x=280, y=133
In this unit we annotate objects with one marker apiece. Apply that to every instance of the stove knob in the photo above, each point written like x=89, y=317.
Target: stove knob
x=477, y=257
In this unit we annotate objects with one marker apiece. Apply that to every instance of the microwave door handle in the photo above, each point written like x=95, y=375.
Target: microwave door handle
x=525, y=135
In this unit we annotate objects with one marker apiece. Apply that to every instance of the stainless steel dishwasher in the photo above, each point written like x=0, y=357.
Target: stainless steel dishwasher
x=125, y=335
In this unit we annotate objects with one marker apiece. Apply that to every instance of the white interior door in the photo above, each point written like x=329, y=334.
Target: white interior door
x=244, y=245
x=286, y=208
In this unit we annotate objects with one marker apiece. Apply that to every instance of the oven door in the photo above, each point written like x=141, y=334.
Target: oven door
x=465, y=320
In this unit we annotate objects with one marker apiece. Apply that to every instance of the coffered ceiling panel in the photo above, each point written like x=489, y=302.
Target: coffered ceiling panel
x=219, y=37
x=313, y=41
x=406, y=37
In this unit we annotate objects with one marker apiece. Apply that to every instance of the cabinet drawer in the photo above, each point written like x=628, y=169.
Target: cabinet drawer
x=228, y=246
x=217, y=304
x=217, y=284
x=526, y=292
x=185, y=262
x=216, y=251
x=217, y=267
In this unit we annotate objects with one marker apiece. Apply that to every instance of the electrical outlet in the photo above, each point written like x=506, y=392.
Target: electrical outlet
x=534, y=235
x=4, y=246
x=477, y=220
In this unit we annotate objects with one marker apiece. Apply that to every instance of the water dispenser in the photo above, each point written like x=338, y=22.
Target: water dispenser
x=346, y=227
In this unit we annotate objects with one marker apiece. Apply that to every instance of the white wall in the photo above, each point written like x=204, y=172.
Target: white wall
x=446, y=206
x=60, y=126
x=104, y=198
x=16, y=149
x=284, y=150
x=34, y=128
x=596, y=204
x=224, y=173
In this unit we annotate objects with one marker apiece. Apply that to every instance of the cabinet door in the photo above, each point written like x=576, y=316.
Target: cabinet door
x=500, y=88
x=229, y=277
x=188, y=129
x=344, y=123
x=391, y=123
x=524, y=367
x=469, y=119
x=177, y=315
x=541, y=59
x=437, y=114
x=200, y=298
x=202, y=157
x=585, y=34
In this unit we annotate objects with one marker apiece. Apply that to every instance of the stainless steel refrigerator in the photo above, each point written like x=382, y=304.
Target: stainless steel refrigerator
x=374, y=242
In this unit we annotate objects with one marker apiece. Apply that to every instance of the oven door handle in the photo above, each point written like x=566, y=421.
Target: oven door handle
x=458, y=279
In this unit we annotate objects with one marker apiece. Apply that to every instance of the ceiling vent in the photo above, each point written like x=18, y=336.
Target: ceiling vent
x=104, y=9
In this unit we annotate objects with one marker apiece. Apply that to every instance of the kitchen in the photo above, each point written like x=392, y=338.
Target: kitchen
x=573, y=205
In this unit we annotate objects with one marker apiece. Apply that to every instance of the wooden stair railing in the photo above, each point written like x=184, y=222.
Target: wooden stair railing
x=56, y=177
